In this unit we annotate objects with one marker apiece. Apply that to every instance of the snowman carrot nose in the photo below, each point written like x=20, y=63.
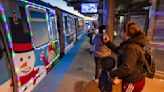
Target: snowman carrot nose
x=24, y=65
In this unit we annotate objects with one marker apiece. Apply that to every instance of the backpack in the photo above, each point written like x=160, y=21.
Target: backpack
x=148, y=68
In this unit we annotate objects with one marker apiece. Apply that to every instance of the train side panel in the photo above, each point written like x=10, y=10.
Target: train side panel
x=35, y=43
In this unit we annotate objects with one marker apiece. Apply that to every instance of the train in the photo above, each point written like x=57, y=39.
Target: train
x=34, y=36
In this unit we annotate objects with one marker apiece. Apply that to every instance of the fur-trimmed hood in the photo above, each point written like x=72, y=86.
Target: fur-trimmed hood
x=139, y=38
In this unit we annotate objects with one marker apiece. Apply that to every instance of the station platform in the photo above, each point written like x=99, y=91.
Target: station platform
x=75, y=72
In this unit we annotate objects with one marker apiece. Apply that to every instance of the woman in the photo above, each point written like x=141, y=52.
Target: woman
x=129, y=54
x=100, y=50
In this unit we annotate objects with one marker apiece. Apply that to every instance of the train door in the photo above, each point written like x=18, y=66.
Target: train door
x=76, y=28
x=44, y=50
x=68, y=32
x=60, y=31
x=55, y=36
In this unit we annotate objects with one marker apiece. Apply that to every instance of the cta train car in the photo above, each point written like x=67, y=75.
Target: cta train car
x=70, y=29
x=33, y=36
x=29, y=44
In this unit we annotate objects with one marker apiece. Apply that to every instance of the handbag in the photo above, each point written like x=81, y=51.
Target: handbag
x=148, y=68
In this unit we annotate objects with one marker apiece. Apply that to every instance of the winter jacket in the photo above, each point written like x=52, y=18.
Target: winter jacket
x=100, y=49
x=129, y=56
x=105, y=83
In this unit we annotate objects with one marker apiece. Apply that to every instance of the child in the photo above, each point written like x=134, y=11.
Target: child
x=105, y=83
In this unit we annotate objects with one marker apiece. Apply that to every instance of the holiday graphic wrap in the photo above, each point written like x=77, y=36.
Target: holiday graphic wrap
x=51, y=54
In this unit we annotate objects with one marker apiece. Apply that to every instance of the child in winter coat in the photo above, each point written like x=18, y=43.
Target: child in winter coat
x=105, y=83
x=100, y=50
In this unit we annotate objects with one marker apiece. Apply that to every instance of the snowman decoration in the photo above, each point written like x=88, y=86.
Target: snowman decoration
x=24, y=58
x=26, y=71
x=25, y=65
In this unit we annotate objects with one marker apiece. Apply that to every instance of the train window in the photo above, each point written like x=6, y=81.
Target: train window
x=39, y=26
x=139, y=20
x=66, y=25
x=71, y=25
x=54, y=27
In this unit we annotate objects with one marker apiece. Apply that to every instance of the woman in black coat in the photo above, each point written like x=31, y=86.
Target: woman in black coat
x=130, y=55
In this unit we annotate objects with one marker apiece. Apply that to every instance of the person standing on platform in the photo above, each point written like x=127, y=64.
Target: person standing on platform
x=130, y=56
x=90, y=35
x=100, y=50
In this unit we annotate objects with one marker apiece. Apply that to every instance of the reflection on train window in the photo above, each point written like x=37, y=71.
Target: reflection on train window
x=66, y=25
x=67, y=40
x=39, y=26
x=139, y=20
x=70, y=24
x=71, y=39
x=80, y=27
x=73, y=25
x=54, y=29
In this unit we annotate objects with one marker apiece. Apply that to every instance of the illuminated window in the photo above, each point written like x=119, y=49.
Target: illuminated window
x=39, y=26
x=54, y=27
x=67, y=25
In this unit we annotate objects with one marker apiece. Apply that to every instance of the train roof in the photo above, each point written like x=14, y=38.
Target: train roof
x=39, y=2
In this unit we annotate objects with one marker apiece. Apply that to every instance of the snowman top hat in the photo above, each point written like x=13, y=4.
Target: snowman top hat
x=22, y=47
x=20, y=36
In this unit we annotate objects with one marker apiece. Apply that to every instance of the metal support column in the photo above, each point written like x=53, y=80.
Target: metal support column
x=109, y=15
